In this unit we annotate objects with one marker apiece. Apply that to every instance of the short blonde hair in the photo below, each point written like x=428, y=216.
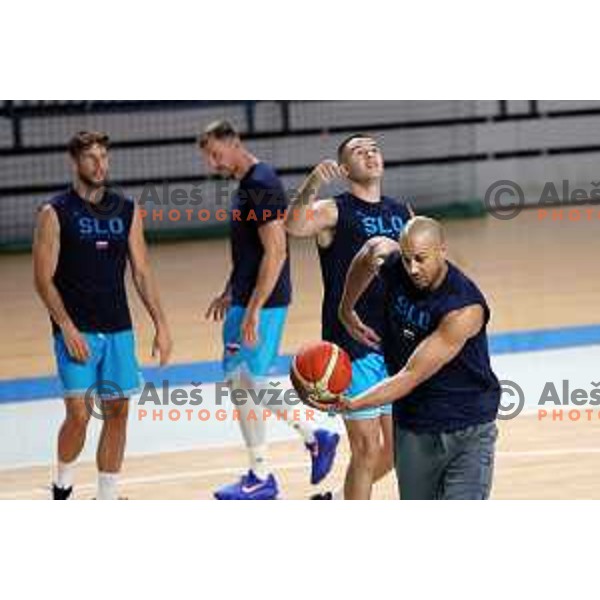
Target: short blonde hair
x=218, y=130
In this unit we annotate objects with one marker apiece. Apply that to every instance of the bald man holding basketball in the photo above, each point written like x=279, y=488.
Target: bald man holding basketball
x=445, y=395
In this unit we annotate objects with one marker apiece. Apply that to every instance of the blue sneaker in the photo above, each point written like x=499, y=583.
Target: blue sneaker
x=249, y=487
x=322, y=454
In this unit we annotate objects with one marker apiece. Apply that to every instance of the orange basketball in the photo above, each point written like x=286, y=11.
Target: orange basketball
x=322, y=370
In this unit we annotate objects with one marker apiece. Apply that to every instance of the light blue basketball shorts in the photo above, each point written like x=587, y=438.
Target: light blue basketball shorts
x=258, y=360
x=367, y=372
x=111, y=371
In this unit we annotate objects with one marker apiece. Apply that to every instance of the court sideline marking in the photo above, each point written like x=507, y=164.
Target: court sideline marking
x=512, y=342
x=185, y=475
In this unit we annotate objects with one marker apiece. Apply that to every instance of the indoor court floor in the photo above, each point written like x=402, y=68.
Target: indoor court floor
x=537, y=275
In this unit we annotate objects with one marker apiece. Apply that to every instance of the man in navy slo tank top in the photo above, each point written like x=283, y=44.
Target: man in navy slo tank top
x=341, y=225
x=83, y=241
x=254, y=306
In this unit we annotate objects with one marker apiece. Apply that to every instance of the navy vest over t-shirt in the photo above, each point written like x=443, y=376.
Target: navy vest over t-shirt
x=90, y=273
x=465, y=391
x=358, y=221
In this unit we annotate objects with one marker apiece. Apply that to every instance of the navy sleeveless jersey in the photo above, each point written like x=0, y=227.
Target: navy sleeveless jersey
x=260, y=198
x=358, y=221
x=90, y=273
x=464, y=392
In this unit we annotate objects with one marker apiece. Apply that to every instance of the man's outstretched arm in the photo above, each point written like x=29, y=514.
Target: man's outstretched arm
x=435, y=351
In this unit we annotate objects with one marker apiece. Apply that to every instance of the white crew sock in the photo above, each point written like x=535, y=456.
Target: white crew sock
x=306, y=432
x=253, y=426
x=64, y=475
x=258, y=460
x=107, y=486
x=338, y=494
x=302, y=428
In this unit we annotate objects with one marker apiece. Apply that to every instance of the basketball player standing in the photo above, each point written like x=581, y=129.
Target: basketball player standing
x=341, y=225
x=79, y=266
x=254, y=304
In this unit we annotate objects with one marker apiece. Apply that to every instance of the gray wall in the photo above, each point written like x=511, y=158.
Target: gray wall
x=431, y=184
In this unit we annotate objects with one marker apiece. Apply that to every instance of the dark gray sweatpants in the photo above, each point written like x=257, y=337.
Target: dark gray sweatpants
x=445, y=466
